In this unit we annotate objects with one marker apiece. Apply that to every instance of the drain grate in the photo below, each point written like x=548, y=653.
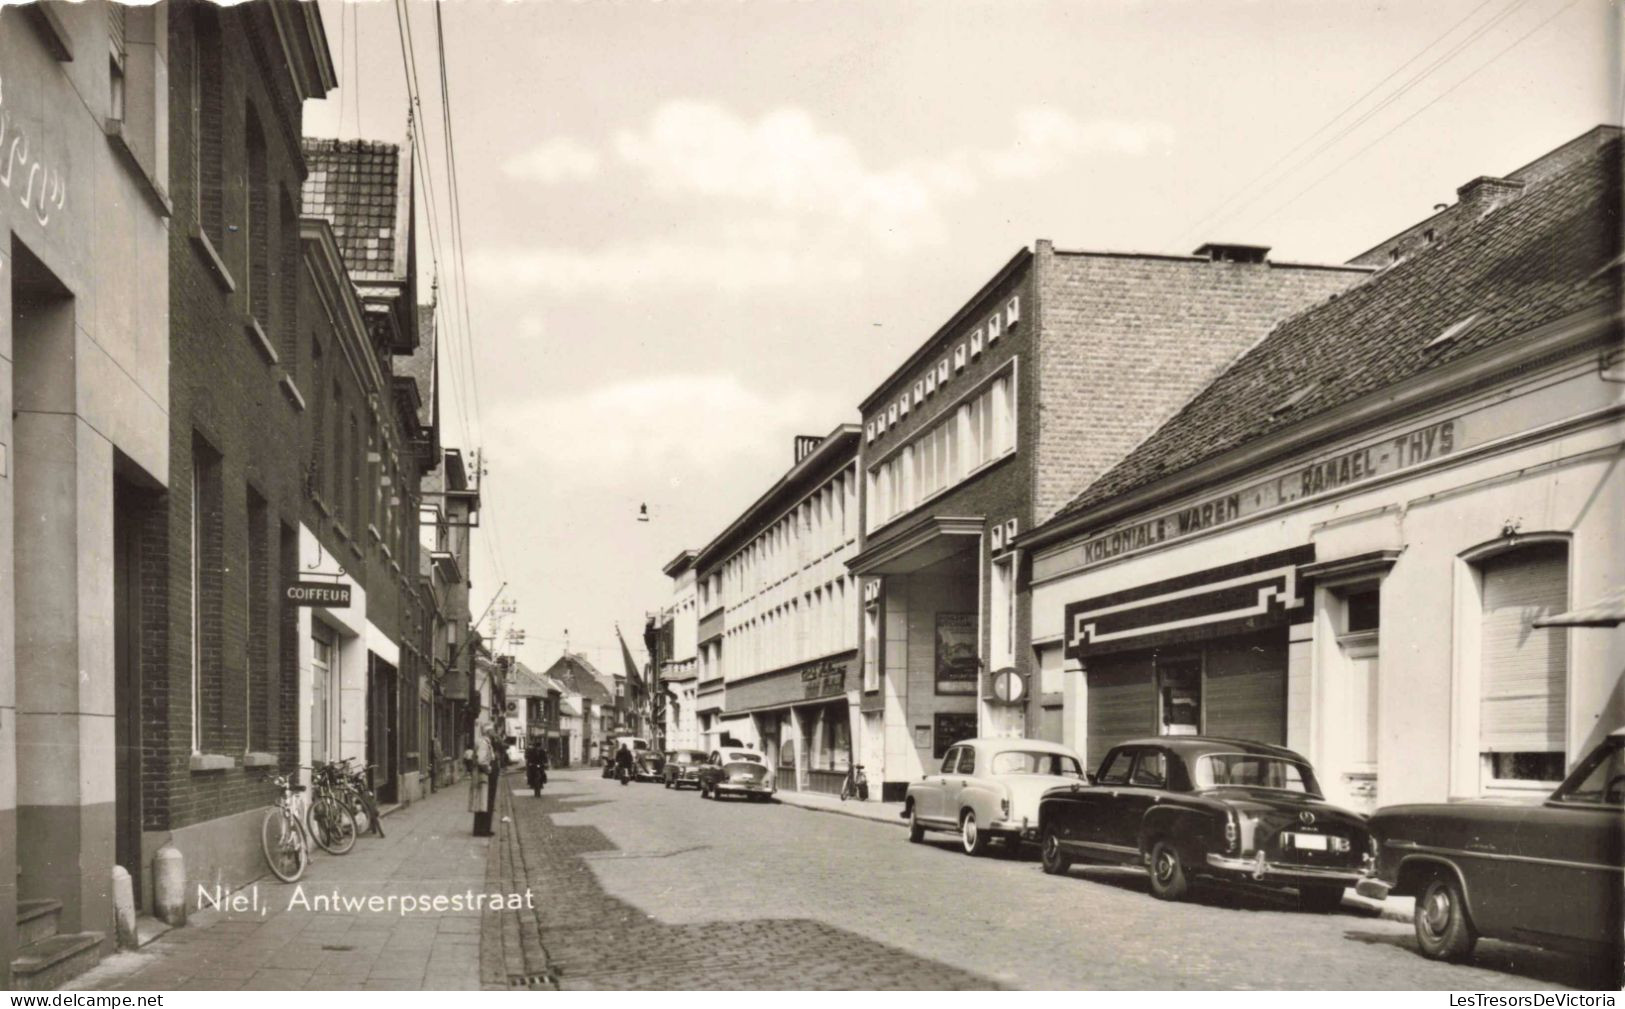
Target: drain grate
x=533, y=982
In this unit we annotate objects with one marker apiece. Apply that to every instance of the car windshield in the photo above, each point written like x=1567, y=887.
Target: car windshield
x=1036, y=762
x=742, y=756
x=1600, y=781
x=1254, y=770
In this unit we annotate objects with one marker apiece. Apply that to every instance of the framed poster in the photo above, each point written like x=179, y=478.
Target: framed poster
x=956, y=653
x=951, y=727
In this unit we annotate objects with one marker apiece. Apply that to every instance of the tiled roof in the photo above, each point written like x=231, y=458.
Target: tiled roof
x=1530, y=262
x=579, y=676
x=359, y=187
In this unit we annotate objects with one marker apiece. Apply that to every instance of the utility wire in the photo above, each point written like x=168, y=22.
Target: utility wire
x=1386, y=101
x=1436, y=100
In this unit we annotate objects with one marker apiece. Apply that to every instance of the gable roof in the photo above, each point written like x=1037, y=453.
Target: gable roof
x=578, y=676
x=1530, y=262
x=362, y=188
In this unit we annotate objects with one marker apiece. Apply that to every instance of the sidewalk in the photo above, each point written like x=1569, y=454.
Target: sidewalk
x=429, y=850
x=1393, y=909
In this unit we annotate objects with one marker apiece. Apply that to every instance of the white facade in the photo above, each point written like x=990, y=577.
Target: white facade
x=1467, y=521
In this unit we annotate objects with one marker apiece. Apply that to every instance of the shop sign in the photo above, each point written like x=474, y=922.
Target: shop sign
x=1317, y=477
x=331, y=595
x=950, y=727
x=1249, y=595
x=957, y=663
x=823, y=679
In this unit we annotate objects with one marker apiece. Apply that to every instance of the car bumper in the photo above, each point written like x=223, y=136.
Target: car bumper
x=742, y=788
x=1265, y=871
x=1372, y=888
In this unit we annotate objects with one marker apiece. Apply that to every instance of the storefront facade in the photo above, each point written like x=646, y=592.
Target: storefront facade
x=1364, y=585
x=803, y=719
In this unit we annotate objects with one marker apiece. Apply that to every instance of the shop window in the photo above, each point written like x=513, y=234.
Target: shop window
x=1179, y=695
x=1523, y=669
x=323, y=669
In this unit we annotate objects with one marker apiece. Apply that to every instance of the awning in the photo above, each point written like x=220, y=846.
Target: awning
x=1609, y=611
x=920, y=544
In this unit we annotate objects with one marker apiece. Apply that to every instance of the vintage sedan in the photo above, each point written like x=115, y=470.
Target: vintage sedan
x=734, y=770
x=649, y=765
x=989, y=789
x=1547, y=874
x=683, y=767
x=1194, y=806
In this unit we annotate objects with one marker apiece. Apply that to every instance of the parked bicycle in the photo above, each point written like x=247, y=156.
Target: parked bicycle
x=355, y=789
x=330, y=818
x=856, y=784
x=282, y=834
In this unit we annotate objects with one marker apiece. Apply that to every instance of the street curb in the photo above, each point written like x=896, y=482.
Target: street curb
x=1360, y=904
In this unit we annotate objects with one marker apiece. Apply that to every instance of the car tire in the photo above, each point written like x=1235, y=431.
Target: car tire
x=1056, y=860
x=916, y=829
x=1168, y=878
x=1443, y=931
x=972, y=838
x=1320, y=899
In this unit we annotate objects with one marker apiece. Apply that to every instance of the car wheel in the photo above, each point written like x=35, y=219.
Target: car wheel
x=1320, y=899
x=1056, y=861
x=1442, y=929
x=1168, y=879
x=971, y=837
x=916, y=829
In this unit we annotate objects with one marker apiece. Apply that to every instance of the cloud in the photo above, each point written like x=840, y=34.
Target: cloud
x=555, y=160
x=654, y=428
x=785, y=200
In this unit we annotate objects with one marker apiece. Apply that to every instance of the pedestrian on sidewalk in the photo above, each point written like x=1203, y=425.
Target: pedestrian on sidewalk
x=482, y=779
x=536, y=764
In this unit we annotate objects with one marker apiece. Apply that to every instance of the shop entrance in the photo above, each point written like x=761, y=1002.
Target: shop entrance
x=383, y=715
x=131, y=506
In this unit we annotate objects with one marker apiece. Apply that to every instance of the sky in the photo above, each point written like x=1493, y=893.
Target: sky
x=693, y=230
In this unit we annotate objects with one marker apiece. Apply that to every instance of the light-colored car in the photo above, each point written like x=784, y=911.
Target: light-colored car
x=734, y=770
x=989, y=789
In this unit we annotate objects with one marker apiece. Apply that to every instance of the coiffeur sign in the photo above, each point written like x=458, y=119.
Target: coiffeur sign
x=1317, y=477
x=331, y=595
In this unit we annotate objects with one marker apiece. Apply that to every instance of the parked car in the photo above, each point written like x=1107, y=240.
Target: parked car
x=736, y=771
x=1546, y=874
x=650, y=765
x=989, y=789
x=683, y=767
x=1193, y=806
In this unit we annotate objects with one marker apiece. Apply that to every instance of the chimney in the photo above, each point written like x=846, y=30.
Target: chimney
x=1228, y=252
x=1484, y=194
x=806, y=444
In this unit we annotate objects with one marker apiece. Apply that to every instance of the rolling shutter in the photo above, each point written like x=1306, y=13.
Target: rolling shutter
x=1525, y=669
x=1245, y=690
x=1122, y=701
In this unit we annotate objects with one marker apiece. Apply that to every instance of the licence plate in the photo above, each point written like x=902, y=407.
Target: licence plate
x=1311, y=842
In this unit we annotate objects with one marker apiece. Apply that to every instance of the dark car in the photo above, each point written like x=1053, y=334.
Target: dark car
x=1189, y=807
x=734, y=770
x=1546, y=874
x=683, y=767
x=650, y=766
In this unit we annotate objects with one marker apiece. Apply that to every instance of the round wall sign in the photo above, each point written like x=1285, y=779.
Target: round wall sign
x=1008, y=686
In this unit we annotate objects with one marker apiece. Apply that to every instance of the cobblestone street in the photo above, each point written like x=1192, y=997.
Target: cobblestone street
x=641, y=887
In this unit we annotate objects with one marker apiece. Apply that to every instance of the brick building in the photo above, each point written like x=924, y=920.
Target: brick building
x=447, y=515
x=364, y=688
x=85, y=460
x=1048, y=374
x=210, y=648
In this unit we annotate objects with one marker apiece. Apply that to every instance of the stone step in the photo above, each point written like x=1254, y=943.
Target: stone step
x=36, y=920
x=52, y=963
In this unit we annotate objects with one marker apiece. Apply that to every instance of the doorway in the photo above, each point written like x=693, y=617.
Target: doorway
x=130, y=508
x=383, y=719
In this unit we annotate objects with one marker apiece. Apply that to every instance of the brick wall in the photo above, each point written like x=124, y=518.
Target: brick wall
x=1125, y=341
x=226, y=407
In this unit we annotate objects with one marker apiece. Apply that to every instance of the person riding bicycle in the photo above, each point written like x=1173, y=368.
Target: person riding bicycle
x=624, y=764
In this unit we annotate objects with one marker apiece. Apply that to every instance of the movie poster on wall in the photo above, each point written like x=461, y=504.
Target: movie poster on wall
x=956, y=653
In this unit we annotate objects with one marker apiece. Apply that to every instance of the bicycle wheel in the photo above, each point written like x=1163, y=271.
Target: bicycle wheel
x=331, y=825
x=283, y=841
x=351, y=799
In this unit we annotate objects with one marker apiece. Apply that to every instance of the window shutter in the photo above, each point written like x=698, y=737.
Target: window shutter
x=1525, y=669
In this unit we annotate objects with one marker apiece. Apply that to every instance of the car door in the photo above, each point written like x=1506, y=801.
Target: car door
x=928, y=793
x=954, y=781
x=1146, y=783
x=1100, y=833
x=1570, y=854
